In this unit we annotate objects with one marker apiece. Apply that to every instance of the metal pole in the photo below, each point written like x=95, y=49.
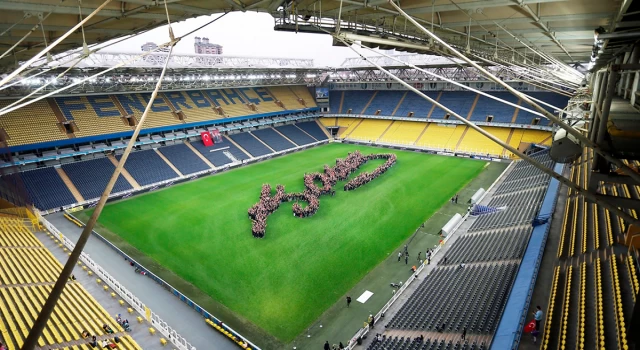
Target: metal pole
x=58, y=41
x=513, y=150
x=36, y=331
x=578, y=135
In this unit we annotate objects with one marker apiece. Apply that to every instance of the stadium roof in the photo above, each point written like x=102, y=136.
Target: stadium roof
x=563, y=28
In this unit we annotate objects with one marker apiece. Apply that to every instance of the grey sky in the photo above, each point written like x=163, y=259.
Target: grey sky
x=246, y=34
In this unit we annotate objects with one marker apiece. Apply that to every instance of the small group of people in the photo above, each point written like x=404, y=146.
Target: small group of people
x=365, y=178
x=94, y=339
x=333, y=347
x=269, y=203
x=123, y=322
x=454, y=199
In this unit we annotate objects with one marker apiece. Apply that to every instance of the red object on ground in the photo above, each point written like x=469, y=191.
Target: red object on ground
x=206, y=138
x=529, y=327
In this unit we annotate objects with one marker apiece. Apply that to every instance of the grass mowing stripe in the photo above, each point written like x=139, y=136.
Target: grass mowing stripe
x=282, y=283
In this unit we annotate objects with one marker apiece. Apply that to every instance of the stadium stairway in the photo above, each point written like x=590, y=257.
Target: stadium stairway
x=205, y=160
x=323, y=129
x=125, y=174
x=168, y=162
x=72, y=188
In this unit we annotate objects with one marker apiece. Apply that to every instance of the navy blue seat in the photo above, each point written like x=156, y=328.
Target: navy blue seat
x=502, y=113
x=91, y=177
x=148, y=168
x=416, y=104
x=215, y=154
x=356, y=101
x=313, y=129
x=183, y=158
x=273, y=139
x=458, y=101
x=46, y=188
x=296, y=135
x=385, y=101
x=554, y=99
x=250, y=144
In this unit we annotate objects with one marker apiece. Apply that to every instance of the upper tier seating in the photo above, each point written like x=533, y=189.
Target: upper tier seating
x=93, y=115
x=386, y=103
x=458, y=101
x=303, y=92
x=295, y=134
x=356, y=101
x=312, y=128
x=147, y=167
x=46, y=188
x=335, y=96
x=502, y=113
x=159, y=115
x=552, y=98
x=273, y=139
x=417, y=104
x=34, y=123
x=91, y=177
x=183, y=158
x=250, y=144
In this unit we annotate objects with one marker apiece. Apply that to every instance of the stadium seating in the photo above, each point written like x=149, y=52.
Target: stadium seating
x=93, y=115
x=370, y=129
x=295, y=134
x=46, y=188
x=414, y=103
x=193, y=104
x=540, y=137
x=183, y=158
x=502, y=113
x=407, y=343
x=40, y=126
x=250, y=144
x=501, y=244
x=91, y=177
x=286, y=96
x=436, y=135
x=403, y=133
x=313, y=129
x=303, y=93
x=554, y=99
x=356, y=101
x=273, y=139
x=461, y=102
x=28, y=271
x=147, y=167
x=335, y=100
x=386, y=103
x=474, y=141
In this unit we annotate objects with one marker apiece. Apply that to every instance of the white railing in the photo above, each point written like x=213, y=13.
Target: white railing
x=363, y=331
x=135, y=303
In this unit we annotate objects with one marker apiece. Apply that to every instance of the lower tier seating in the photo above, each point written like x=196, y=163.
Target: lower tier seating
x=250, y=144
x=313, y=129
x=218, y=153
x=147, y=167
x=183, y=158
x=91, y=177
x=47, y=189
x=407, y=343
x=505, y=244
x=295, y=134
x=273, y=139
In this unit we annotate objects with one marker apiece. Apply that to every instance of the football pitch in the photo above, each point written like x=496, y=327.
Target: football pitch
x=282, y=283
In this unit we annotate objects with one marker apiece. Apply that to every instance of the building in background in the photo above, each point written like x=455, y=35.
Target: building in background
x=203, y=46
x=152, y=46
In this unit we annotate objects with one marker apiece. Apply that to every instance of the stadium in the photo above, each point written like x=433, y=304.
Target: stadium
x=465, y=178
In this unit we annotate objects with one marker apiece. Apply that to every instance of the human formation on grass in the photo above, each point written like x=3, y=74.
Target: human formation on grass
x=269, y=203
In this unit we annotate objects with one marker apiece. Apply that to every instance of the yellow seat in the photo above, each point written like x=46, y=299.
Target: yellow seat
x=163, y=341
x=152, y=331
x=105, y=287
x=121, y=302
x=130, y=310
x=98, y=281
x=140, y=319
x=90, y=273
x=113, y=295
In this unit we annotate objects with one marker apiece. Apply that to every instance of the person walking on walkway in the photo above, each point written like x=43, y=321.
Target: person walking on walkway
x=406, y=259
x=348, y=301
x=419, y=253
x=537, y=315
x=464, y=332
x=399, y=256
x=327, y=346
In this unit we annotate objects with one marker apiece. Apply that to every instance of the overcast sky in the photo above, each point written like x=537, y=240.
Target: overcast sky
x=245, y=34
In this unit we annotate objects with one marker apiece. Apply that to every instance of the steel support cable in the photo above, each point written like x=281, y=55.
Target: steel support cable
x=578, y=135
x=513, y=150
x=54, y=44
x=24, y=37
x=25, y=16
x=119, y=65
x=47, y=309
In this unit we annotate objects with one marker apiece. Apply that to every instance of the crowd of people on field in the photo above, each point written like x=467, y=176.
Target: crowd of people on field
x=269, y=203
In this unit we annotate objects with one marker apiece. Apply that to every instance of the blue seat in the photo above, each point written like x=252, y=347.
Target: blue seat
x=385, y=101
x=273, y=139
x=91, y=177
x=295, y=134
x=250, y=144
x=148, y=168
x=313, y=129
x=46, y=188
x=416, y=104
x=183, y=158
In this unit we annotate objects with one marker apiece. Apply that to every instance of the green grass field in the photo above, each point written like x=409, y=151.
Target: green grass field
x=284, y=282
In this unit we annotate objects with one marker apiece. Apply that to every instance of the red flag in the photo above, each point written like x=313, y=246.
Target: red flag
x=206, y=138
x=529, y=327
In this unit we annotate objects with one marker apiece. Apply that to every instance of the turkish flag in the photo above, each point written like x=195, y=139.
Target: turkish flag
x=529, y=327
x=206, y=138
